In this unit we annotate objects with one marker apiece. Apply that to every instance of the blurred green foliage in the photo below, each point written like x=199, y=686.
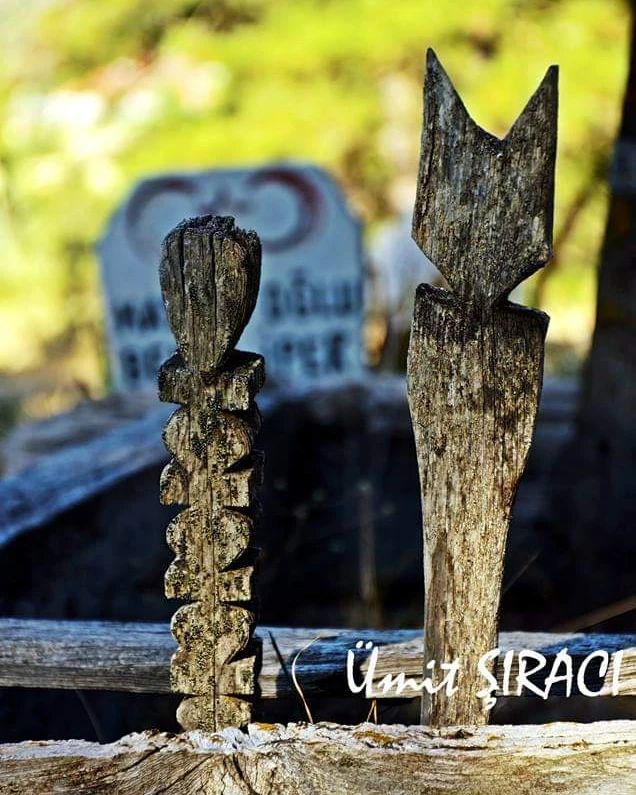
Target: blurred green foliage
x=95, y=94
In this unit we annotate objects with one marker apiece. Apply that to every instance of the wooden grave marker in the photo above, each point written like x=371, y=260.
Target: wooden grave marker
x=483, y=216
x=210, y=273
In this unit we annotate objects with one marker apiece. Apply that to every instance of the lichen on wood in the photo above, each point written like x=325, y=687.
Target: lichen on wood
x=209, y=273
x=368, y=759
x=483, y=215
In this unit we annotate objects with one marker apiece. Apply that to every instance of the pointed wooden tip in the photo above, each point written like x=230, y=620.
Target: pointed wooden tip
x=433, y=63
x=542, y=107
x=439, y=89
x=484, y=205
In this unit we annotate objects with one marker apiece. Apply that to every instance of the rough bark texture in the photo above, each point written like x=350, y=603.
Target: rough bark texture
x=104, y=655
x=366, y=759
x=484, y=205
x=209, y=278
x=483, y=215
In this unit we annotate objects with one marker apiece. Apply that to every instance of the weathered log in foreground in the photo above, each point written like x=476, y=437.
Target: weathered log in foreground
x=483, y=216
x=325, y=758
x=93, y=655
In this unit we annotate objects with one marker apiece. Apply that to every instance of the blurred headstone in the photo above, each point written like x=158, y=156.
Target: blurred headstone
x=308, y=317
x=397, y=267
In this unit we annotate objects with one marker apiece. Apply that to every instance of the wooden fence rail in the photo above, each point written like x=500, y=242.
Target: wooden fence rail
x=94, y=655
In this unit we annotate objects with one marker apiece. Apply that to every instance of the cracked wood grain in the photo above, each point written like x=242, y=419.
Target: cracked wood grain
x=209, y=274
x=483, y=215
x=366, y=759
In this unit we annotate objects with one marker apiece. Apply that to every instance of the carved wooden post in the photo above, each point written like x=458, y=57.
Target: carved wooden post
x=210, y=273
x=483, y=215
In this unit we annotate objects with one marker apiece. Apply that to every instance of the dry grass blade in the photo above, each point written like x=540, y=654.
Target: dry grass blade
x=299, y=689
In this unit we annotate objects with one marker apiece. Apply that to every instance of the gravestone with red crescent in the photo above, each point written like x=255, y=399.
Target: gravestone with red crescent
x=307, y=321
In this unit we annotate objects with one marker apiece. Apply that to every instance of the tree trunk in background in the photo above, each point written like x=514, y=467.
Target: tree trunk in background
x=595, y=490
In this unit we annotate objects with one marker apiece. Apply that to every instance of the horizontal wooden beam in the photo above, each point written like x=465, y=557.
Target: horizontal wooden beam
x=364, y=759
x=93, y=655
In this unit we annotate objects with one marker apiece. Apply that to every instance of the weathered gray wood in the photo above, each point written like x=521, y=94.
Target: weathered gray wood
x=86, y=655
x=64, y=479
x=94, y=655
x=484, y=205
x=483, y=216
x=209, y=274
x=366, y=759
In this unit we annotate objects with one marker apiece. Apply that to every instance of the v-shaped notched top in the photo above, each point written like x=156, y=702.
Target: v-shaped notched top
x=484, y=206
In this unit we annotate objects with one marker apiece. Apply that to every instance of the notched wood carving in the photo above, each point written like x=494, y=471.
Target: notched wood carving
x=210, y=273
x=483, y=215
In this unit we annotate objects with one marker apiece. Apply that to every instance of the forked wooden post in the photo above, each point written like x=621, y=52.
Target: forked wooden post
x=210, y=273
x=483, y=215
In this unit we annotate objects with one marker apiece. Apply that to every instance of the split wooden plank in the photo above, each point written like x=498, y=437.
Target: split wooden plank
x=483, y=215
x=366, y=759
x=209, y=274
x=95, y=655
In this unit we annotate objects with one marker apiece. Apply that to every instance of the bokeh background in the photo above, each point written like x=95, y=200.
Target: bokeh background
x=95, y=95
